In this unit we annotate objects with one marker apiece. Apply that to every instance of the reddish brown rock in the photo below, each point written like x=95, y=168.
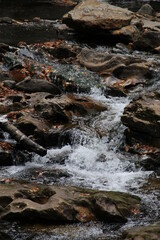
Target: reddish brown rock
x=95, y=15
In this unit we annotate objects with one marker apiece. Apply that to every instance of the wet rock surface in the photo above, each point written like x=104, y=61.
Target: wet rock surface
x=146, y=233
x=64, y=204
x=46, y=109
x=142, y=115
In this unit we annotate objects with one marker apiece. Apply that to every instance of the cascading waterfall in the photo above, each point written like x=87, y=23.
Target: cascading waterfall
x=95, y=161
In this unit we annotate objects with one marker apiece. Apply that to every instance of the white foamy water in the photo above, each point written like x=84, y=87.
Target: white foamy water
x=95, y=161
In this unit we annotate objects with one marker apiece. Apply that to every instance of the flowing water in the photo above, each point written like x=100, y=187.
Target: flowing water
x=94, y=159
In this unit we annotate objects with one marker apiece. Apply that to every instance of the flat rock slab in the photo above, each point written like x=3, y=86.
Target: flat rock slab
x=92, y=14
x=151, y=232
x=64, y=204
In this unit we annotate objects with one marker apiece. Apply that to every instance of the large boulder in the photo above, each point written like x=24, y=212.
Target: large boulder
x=142, y=117
x=115, y=23
x=64, y=204
x=97, y=16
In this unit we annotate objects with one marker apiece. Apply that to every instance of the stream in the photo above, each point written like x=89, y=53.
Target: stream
x=94, y=159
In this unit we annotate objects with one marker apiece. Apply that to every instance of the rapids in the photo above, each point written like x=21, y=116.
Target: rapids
x=95, y=159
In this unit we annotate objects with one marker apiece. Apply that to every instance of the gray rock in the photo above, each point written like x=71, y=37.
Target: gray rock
x=37, y=85
x=9, y=83
x=146, y=9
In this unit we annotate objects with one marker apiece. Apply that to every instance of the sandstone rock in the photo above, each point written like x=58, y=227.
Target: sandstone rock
x=64, y=204
x=142, y=117
x=115, y=24
x=151, y=232
x=121, y=73
x=37, y=85
x=148, y=40
x=101, y=62
x=48, y=119
x=138, y=70
x=61, y=50
x=63, y=108
x=97, y=16
x=119, y=65
x=28, y=123
x=128, y=33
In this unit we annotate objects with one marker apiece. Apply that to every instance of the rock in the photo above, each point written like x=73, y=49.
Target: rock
x=6, y=158
x=9, y=154
x=9, y=83
x=37, y=85
x=137, y=70
x=60, y=50
x=120, y=66
x=146, y=9
x=65, y=204
x=28, y=124
x=142, y=117
x=95, y=16
x=121, y=73
x=127, y=33
x=61, y=109
x=115, y=24
x=47, y=119
x=41, y=195
x=103, y=63
x=151, y=232
x=43, y=175
x=151, y=161
x=148, y=40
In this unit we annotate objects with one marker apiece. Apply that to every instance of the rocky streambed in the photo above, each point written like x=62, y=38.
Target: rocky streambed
x=79, y=124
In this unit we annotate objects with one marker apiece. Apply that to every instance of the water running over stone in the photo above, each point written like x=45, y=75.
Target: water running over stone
x=94, y=158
